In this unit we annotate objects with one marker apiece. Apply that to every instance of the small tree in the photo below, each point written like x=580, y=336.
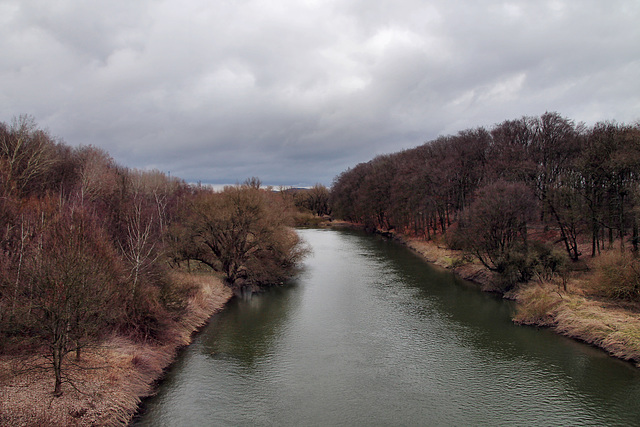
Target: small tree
x=97, y=173
x=75, y=288
x=139, y=246
x=494, y=228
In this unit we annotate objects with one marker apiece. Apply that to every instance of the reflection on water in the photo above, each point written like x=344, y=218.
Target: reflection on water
x=369, y=334
x=247, y=333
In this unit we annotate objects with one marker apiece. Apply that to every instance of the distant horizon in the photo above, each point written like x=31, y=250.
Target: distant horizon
x=219, y=187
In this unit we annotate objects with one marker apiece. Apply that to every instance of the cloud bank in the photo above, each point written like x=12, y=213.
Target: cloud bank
x=297, y=91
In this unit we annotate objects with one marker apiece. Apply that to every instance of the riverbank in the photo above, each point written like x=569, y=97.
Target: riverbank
x=611, y=325
x=106, y=386
x=435, y=253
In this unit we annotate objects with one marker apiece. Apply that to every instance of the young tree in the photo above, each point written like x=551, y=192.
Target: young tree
x=97, y=173
x=75, y=288
x=494, y=226
x=140, y=242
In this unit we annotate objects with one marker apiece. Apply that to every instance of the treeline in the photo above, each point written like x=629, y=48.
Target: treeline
x=86, y=245
x=576, y=183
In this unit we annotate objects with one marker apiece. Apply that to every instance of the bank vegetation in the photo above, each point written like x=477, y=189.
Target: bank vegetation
x=541, y=209
x=105, y=271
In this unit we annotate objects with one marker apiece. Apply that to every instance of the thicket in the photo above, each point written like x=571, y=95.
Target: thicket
x=243, y=232
x=314, y=200
x=86, y=245
x=493, y=192
x=618, y=276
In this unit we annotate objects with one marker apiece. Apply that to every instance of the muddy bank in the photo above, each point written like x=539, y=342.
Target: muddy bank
x=105, y=387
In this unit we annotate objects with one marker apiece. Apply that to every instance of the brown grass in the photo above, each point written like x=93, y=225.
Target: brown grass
x=110, y=380
x=611, y=325
x=538, y=305
x=603, y=324
x=436, y=253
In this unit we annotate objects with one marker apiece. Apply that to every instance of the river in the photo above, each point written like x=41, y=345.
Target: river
x=370, y=334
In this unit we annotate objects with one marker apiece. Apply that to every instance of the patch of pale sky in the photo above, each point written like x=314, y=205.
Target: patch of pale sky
x=507, y=89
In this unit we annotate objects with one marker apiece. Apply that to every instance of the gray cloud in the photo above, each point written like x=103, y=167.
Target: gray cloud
x=296, y=91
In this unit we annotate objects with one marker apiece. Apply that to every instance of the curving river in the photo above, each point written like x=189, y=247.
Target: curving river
x=370, y=334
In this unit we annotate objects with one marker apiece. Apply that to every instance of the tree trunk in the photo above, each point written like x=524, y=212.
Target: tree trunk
x=621, y=222
x=57, y=370
x=594, y=237
x=634, y=240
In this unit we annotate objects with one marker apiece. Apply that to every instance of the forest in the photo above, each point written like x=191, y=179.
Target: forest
x=530, y=197
x=87, y=246
x=90, y=248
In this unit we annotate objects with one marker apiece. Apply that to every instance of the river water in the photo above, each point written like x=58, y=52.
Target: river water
x=370, y=334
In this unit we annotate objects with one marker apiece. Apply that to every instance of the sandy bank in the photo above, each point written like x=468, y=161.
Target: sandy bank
x=108, y=383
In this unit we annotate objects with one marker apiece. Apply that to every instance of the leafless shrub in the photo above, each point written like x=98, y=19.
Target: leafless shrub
x=617, y=276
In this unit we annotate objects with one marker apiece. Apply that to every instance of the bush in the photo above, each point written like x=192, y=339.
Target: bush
x=617, y=276
x=521, y=264
x=512, y=267
x=545, y=261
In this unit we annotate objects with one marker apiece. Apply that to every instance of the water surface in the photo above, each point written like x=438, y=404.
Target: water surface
x=370, y=334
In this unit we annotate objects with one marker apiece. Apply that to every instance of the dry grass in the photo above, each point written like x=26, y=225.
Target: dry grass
x=111, y=379
x=603, y=323
x=538, y=305
x=611, y=325
x=436, y=253
x=431, y=251
x=107, y=388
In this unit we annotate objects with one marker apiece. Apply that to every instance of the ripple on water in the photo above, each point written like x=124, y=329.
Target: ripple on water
x=371, y=335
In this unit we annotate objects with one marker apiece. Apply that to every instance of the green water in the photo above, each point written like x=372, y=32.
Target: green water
x=369, y=334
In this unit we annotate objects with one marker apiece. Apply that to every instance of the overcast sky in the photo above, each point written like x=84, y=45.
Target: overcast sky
x=296, y=91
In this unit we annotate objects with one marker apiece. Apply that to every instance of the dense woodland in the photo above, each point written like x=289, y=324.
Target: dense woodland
x=86, y=244
x=525, y=197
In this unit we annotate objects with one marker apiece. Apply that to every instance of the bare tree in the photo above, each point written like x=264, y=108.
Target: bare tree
x=26, y=154
x=140, y=242
x=242, y=233
x=98, y=174
x=75, y=288
x=494, y=226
